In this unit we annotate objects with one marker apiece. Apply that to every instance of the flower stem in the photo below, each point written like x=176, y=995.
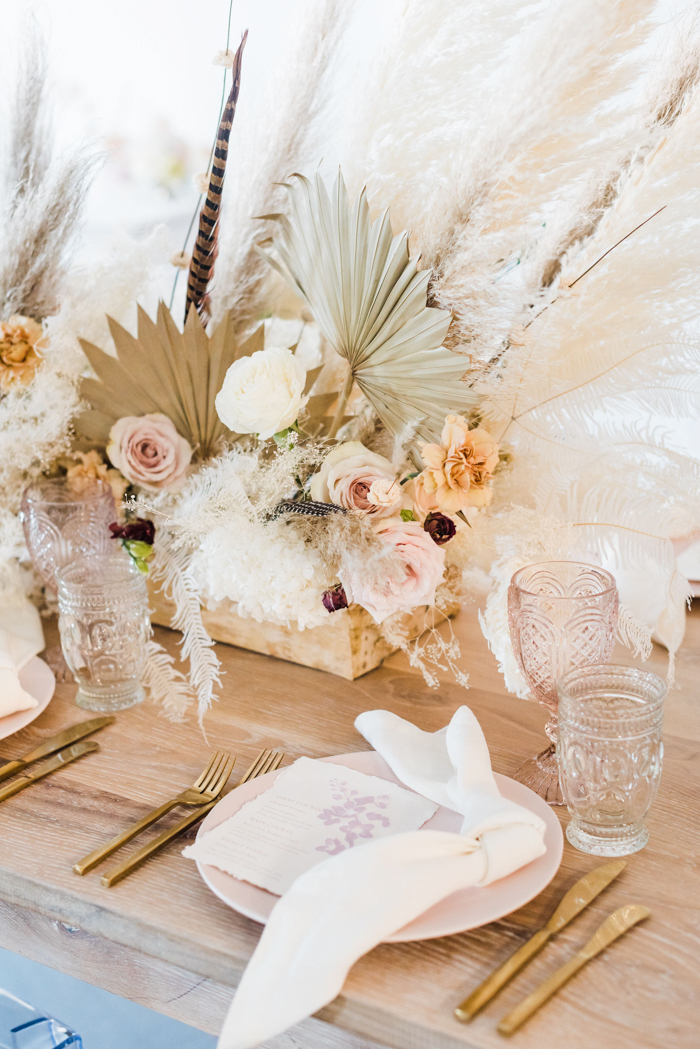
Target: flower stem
x=342, y=402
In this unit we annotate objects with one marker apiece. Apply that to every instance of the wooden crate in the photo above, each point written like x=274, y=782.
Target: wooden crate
x=349, y=644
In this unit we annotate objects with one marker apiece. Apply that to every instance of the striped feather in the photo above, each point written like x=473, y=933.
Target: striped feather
x=204, y=253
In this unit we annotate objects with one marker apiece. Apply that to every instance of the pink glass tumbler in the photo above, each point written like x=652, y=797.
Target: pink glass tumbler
x=562, y=616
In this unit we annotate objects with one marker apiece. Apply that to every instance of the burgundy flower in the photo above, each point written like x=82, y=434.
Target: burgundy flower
x=439, y=527
x=138, y=531
x=335, y=598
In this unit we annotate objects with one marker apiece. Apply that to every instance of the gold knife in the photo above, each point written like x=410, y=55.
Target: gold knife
x=614, y=926
x=56, y=762
x=577, y=898
x=58, y=742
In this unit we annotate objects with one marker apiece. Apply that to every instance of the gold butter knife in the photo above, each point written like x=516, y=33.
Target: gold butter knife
x=58, y=742
x=576, y=899
x=614, y=926
x=56, y=762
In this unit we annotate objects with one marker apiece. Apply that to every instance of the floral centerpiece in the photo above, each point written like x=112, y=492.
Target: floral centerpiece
x=443, y=406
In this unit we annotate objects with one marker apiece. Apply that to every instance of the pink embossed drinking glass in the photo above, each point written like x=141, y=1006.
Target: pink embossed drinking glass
x=562, y=616
x=65, y=522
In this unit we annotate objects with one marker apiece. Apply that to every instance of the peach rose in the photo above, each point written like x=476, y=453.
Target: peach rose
x=357, y=479
x=21, y=342
x=459, y=469
x=149, y=451
x=423, y=563
x=421, y=502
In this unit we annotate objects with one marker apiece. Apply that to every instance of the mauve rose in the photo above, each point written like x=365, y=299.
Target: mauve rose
x=423, y=563
x=149, y=452
x=140, y=531
x=357, y=479
x=440, y=528
x=335, y=599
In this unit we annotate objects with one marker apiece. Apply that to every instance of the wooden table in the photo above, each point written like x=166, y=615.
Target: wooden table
x=162, y=939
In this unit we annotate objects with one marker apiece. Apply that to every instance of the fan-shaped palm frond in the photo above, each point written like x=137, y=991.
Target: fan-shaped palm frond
x=369, y=299
x=163, y=369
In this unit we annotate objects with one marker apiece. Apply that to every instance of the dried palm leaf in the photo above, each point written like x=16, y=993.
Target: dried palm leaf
x=164, y=370
x=204, y=253
x=370, y=302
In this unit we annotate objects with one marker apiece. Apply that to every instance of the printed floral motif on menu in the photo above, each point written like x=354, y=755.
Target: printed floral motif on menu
x=358, y=817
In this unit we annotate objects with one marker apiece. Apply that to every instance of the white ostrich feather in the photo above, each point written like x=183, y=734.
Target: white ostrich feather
x=595, y=408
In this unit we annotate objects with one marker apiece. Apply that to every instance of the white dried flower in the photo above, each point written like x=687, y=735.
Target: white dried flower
x=263, y=393
x=181, y=259
x=200, y=181
x=224, y=58
x=268, y=571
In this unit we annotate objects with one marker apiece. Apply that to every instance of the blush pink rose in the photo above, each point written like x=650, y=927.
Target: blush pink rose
x=149, y=452
x=357, y=479
x=423, y=563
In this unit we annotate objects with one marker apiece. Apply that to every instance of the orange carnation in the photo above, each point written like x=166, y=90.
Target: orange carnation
x=459, y=469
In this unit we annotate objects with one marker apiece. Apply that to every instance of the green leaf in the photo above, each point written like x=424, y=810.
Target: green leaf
x=137, y=548
x=284, y=437
x=408, y=515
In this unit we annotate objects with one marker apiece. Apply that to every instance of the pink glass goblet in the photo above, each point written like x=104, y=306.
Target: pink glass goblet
x=562, y=616
x=65, y=522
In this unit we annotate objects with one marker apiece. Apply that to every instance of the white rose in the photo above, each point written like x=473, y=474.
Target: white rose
x=263, y=393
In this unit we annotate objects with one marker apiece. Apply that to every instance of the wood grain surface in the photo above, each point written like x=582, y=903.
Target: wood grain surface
x=161, y=938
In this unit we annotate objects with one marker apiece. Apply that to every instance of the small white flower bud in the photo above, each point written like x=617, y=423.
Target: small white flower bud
x=181, y=259
x=223, y=58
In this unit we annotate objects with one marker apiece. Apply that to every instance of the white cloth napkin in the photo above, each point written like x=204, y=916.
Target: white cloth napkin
x=339, y=910
x=21, y=637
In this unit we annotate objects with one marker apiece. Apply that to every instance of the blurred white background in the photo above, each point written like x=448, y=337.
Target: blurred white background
x=137, y=77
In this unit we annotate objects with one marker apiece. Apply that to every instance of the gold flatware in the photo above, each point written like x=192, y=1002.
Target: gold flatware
x=266, y=761
x=58, y=761
x=206, y=788
x=614, y=926
x=576, y=899
x=58, y=742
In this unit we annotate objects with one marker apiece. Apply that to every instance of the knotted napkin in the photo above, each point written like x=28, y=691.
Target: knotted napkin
x=342, y=908
x=21, y=637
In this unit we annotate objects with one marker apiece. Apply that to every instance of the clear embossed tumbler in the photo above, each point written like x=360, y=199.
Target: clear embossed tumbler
x=105, y=627
x=610, y=754
x=561, y=615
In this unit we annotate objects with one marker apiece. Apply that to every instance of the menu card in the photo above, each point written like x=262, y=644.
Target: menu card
x=314, y=809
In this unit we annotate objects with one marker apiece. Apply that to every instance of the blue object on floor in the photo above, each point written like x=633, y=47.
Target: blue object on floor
x=23, y=1027
x=104, y=1020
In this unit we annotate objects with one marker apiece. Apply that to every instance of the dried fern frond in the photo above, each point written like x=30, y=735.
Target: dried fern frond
x=370, y=302
x=45, y=199
x=164, y=370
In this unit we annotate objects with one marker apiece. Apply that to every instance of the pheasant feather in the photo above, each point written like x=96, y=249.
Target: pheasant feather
x=204, y=253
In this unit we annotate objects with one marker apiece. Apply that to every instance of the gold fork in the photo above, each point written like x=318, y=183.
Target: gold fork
x=207, y=788
x=266, y=761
